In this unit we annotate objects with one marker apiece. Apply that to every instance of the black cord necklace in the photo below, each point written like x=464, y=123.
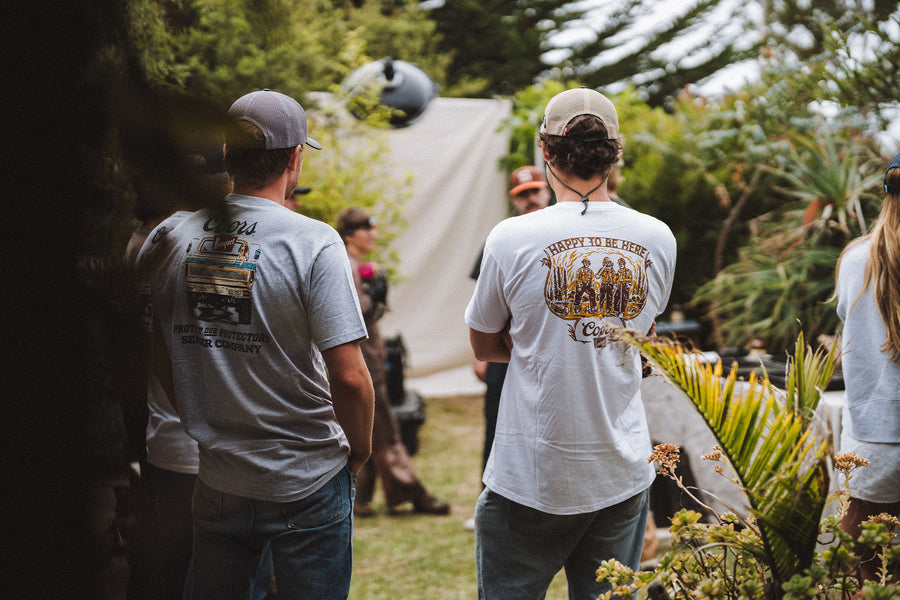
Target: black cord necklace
x=584, y=197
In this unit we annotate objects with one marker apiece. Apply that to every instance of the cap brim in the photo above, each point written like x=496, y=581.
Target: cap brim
x=313, y=143
x=531, y=185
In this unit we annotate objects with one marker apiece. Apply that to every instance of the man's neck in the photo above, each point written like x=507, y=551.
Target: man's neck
x=564, y=194
x=569, y=188
x=273, y=191
x=277, y=189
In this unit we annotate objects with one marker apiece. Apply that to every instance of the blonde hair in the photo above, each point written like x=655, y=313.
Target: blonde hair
x=882, y=270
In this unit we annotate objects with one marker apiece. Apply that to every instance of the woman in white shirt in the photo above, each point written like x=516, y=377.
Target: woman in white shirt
x=868, y=292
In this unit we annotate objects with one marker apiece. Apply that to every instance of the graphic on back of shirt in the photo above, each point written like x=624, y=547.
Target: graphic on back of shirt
x=219, y=271
x=596, y=283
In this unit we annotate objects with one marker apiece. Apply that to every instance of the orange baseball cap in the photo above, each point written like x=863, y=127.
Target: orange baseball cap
x=526, y=178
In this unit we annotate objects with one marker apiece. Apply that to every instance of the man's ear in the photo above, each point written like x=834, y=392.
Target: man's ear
x=544, y=153
x=296, y=158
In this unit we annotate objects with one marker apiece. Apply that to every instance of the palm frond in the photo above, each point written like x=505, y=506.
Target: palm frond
x=808, y=378
x=781, y=466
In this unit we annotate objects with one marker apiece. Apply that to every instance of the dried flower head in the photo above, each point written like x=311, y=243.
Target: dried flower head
x=847, y=462
x=667, y=455
x=886, y=519
x=715, y=455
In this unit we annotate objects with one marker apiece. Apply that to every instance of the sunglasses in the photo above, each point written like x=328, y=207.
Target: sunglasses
x=367, y=224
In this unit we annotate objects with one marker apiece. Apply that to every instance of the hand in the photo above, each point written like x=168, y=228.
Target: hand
x=355, y=462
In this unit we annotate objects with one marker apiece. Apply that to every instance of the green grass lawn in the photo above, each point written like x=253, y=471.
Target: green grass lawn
x=417, y=557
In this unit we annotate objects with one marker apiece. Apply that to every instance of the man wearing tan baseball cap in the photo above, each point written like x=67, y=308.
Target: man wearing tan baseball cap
x=567, y=482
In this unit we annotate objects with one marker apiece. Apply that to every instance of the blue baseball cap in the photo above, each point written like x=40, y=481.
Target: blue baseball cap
x=895, y=164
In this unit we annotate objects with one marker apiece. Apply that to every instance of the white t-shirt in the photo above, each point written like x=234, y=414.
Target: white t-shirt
x=571, y=433
x=871, y=379
x=248, y=295
x=168, y=444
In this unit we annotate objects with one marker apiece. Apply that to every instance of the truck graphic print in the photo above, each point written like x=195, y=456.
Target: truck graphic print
x=219, y=273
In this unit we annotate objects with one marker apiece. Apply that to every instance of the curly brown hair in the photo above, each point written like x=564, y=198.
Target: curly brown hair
x=584, y=151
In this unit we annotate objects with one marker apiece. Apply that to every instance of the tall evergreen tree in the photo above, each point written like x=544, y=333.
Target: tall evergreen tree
x=223, y=48
x=503, y=46
x=496, y=45
x=660, y=47
x=796, y=26
x=657, y=46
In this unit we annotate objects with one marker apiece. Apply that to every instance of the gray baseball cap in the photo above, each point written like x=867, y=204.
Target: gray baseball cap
x=567, y=105
x=280, y=118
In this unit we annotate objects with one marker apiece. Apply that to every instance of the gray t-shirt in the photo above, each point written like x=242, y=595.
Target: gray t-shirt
x=247, y=296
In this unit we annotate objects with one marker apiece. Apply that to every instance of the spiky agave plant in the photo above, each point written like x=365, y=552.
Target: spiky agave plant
x=826, y=171
x=765, y=435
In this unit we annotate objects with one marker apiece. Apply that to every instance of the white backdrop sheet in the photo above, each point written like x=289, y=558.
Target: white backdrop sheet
x=459, y=194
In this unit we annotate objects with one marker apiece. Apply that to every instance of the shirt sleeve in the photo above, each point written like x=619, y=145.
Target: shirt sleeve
x=334, y=311
x=488, y=310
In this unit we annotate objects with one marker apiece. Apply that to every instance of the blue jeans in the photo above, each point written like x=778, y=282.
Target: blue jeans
x=259, y=589
x=519, y=550
x=310, y=541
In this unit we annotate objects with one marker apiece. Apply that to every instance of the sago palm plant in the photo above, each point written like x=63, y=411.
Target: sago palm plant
x=766, y=437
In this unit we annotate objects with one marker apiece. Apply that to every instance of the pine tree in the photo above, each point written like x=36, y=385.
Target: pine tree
x=500, y=47
x=657, y=46
x=632, y=43
x=496, y=45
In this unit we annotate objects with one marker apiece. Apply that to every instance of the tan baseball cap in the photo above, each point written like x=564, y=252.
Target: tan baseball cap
x=567, y=105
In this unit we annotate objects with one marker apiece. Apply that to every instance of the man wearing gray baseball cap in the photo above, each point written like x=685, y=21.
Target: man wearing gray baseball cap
x=258, y=324
x=567, y=481
x=280, y=120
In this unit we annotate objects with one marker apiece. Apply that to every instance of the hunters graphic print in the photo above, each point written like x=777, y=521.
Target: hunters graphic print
x=596, y=283
x=219, y=273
